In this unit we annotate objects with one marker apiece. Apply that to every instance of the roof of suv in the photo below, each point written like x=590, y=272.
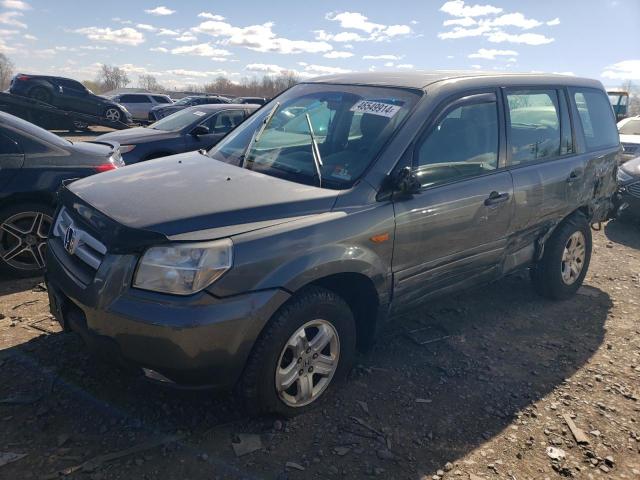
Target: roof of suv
x=421, y=79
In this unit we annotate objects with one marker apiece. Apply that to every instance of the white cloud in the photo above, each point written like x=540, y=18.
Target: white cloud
x=382, y=57
x=405, y=65
x=123, y=36
x=624, y=70
x=358, y=21
x=28, y=36
x=160, y=11
x=516, y=19
x=499, y=36
x=187, y=37
x=457, y=8
x=461, y=22
x=389, y=64
x=93, y=47
x=15, y=5
x=196, y=73
x=167, y=32
x=476, y=66
x=146, y=27
x=11, y=18
x=202, y=50
x=555, y=21
x=461, y=32
x=323, y=70
x=267, y=68
x=337, y=54
x=211, y=16
x=492, y=54
x=260, y=38
x=307, y=71
x=159, y=49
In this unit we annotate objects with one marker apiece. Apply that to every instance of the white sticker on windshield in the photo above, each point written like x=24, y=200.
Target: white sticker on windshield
x=199, y=113
x=375, y=108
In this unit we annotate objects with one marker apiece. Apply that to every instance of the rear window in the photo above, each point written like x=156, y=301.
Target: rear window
x=596, y=117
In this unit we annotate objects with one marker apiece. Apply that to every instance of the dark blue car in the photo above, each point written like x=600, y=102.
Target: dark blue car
x=194, y=128
x=161, y=111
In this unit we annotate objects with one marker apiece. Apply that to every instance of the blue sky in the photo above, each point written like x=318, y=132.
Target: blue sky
x=192, y=41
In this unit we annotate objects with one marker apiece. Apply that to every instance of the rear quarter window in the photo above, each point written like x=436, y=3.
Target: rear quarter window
x=596, y=117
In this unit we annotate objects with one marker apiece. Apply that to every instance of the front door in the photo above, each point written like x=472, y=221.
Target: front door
x=454, y=231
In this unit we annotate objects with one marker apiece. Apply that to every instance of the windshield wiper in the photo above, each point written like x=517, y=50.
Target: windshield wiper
x=315, y=150
x=258, y=133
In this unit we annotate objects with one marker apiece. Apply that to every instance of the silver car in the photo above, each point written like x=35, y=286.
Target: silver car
x=139, y=104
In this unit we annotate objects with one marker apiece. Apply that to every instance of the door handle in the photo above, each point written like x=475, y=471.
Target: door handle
x=573, y=176
x=495, y=198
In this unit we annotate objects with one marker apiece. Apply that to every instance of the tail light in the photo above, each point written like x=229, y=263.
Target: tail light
x=105, y=167
x=23, y=77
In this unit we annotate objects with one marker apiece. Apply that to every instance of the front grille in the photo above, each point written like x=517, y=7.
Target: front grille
x=78, y=243
x=630, y=147
x=634, y=189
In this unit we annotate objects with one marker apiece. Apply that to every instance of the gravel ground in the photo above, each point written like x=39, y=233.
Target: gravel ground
x=477, y=386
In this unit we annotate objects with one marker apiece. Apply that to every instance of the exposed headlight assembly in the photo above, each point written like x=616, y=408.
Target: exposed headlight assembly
x=623, y=176
x=183, y=268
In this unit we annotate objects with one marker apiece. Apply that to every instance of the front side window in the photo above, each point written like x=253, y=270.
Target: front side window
x=462, y=144
x=277, y=139
x=135, y=99
x=534, y=125
x=8, y=146
x=224, y=122
x=596, y=117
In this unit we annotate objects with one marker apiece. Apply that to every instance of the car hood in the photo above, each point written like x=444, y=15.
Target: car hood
x=191, y=196
x=632, y=167
x=136, y=135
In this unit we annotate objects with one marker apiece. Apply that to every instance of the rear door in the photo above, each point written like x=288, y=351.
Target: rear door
x=547, y=172
x=11, y=159
x=454, y=231
x=76, y=98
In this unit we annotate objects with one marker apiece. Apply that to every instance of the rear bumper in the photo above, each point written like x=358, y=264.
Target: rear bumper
x=196, y=340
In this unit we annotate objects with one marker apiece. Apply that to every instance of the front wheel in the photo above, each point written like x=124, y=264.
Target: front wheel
x=23, y=235
x=565, y=261
x=113, y=114
x=308, y=346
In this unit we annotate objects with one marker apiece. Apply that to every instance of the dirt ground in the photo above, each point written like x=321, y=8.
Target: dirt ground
x=477, y=386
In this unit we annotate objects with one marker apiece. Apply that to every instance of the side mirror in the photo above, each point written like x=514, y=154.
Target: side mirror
x=406, y=182
x=200, y=130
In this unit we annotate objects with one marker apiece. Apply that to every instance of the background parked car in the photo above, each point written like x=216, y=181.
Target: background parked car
x=629, y=129
x=33, y=165
x=252, y=100
x=67, y=94
x=629, y=182
x=139, y=104
x=161, y=111
x=193, y=128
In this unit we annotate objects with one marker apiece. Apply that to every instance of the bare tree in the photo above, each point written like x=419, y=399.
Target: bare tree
x=251, y=87
x=6, y=71
x=112, y=77
x=149, y=82
x=92, y=85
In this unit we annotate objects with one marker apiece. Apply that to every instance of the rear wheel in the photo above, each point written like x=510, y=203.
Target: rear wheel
x=41, y=94
x=565, y=261
x=113, y=114
x=23, y=234
x=308, y=346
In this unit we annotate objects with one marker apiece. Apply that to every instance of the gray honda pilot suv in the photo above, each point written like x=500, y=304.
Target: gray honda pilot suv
x=346, y=201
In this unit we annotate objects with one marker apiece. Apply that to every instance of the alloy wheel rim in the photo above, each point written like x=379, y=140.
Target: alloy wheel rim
x=23, y=238
x=573, y=257
x=307, y=363
x=113, y=114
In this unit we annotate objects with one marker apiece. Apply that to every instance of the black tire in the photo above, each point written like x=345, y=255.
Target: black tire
x=257, y=387
x=8, y=241
x=547, y=275
x=41, y=94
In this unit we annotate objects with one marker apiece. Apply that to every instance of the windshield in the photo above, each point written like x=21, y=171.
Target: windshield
x=632, y=127
x=184, y=101
x=350, y=125
x=179, y=120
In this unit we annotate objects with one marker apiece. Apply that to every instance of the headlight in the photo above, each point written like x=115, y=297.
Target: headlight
x=183, y=269
x=126, y=148
x=623, y=176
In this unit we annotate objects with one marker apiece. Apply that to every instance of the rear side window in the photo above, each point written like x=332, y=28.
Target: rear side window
x=463, y=144
x=596, y=118
x=161, y=99
x=534, y=125
x=135, y=99
x=227, y=121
